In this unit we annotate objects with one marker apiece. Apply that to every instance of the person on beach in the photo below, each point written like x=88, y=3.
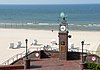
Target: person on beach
x=52, y=30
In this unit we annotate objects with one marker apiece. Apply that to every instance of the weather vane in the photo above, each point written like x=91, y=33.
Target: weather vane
x=62, y=15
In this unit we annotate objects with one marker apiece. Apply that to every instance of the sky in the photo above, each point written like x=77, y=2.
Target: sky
x=49, y=1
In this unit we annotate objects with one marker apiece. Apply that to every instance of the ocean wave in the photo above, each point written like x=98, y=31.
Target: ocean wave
x=44, y=24
x=78, y=25
x=48, y=24
x=71, y=24
x=88, y=25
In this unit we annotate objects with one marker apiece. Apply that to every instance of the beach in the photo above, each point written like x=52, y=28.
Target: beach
x=8, y=36
x=44, y=37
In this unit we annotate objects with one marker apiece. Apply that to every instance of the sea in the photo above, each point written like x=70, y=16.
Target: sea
x=47, y=17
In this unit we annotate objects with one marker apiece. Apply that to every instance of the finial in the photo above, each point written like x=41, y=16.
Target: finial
x=62, y=15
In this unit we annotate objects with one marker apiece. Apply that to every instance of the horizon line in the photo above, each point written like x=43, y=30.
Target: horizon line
x=55, y=4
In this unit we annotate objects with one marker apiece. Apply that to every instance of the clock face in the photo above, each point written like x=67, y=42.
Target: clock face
x=62, y=28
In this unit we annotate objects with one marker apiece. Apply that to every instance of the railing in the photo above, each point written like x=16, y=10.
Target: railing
x=21, y=55
x=85, y=51
x=16, y=57
x=95, y=52
x=78, y=50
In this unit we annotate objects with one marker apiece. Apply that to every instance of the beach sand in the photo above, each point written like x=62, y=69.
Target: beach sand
x=43, y=37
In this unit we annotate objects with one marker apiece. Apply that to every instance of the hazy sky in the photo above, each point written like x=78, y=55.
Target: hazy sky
x=49, y=1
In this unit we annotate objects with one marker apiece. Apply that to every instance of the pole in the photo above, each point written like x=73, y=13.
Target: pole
x=82, y=51
x=26, y=61
x=26, y=40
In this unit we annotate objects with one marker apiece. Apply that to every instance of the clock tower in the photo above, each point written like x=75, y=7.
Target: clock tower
x=63, y=38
